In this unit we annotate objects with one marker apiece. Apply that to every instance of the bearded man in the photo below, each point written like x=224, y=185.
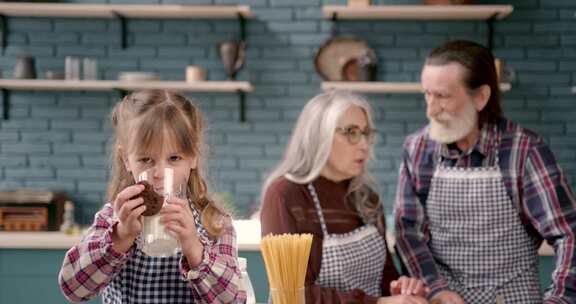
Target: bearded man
x=477, y=193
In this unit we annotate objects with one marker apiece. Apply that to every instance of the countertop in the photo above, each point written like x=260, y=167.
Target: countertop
x=247, y=231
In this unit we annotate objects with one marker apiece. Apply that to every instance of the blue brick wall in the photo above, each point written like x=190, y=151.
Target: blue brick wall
x=58, y=140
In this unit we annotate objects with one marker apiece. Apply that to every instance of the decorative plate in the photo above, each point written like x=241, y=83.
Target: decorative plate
x=336, y=52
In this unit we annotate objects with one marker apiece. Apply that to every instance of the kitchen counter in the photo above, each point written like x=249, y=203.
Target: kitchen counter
x=35, y=258
x=248, y=238
x=247, y=231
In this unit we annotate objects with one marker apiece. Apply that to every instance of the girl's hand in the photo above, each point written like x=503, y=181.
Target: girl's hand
x=408, y=286
x=128, y=211
x=177, y=217
x=402, y=299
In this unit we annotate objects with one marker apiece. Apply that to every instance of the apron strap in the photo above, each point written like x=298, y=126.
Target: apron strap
x=318, y=209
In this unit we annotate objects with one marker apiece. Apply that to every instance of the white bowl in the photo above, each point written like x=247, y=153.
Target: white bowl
x=138, y=76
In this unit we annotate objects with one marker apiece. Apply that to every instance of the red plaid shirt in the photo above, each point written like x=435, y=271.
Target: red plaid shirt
x=92, y=264
x=533, y=180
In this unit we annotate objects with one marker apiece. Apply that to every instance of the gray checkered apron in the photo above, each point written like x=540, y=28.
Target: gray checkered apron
x=146, y=279
x=477, y=237
x=351, y=260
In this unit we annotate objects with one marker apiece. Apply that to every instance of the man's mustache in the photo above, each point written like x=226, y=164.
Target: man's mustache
x=442, y=117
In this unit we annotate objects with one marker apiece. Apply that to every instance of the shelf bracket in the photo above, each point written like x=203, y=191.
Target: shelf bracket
x=123, y=29
x=490, y=32
x=333, y=29
x=5, y=104
x=4, y=32
x=242, y=24
x=242, y=97
x=242, y=94
x=121, y=92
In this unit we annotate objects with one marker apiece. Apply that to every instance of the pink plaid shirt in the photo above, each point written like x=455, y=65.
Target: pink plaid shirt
x=93, y=264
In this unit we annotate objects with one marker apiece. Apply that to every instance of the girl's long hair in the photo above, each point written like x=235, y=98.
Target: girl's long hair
x=142, y=118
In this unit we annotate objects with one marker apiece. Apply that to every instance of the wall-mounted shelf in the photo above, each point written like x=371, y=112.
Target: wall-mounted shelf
x=127, y=10
x=240, y=87
x=418, y=12
x=108, y=85
x=122, y=12
x=376, y=87
x=489, y=13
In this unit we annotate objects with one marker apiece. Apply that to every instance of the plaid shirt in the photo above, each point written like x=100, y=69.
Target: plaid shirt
x=93, y=264
x=532, y=179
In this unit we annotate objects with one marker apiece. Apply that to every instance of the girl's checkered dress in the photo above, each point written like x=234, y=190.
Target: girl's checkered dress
x=93, y=266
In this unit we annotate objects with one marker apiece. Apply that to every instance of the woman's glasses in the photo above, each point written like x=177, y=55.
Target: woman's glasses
x=354, y=134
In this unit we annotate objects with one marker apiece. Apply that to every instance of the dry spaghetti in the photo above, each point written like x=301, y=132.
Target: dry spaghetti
x=286, y=259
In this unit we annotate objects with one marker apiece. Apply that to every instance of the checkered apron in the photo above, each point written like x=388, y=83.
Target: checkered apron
x=477, y=237
x=146, y=279
x=351, y=260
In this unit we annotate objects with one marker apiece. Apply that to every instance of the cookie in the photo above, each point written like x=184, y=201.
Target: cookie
x=152, y=200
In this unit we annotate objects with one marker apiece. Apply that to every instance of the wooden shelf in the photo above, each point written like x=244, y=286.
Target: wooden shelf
x=108, y=85
x=383, y=87
x=418, y=12
x=121, y=12
x=128, y=11
x=238, y=87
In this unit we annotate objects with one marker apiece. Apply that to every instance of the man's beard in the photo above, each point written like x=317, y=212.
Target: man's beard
x=447, y=128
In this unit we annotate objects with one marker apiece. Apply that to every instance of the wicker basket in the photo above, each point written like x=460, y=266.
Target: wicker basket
x=23, y=218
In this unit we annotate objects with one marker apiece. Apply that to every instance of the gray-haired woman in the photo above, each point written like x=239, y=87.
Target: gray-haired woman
x=322, y=187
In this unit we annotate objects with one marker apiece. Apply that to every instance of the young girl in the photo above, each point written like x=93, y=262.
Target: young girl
x=155, y=129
